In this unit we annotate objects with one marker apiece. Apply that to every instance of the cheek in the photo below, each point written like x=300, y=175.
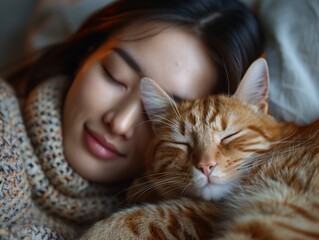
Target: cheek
x=87, y=92
x=83, y=101
x=170, y=161
x=78, y=94
x=233, y=163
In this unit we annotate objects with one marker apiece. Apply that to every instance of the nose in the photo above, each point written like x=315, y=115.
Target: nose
x=206, y=168
x=123, y=118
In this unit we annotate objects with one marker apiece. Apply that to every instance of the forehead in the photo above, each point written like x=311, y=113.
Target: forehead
x=172, y=56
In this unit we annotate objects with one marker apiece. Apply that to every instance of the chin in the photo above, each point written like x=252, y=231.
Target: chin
x=215, y=191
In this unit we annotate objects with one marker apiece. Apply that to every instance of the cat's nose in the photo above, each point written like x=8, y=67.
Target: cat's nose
x=206, y=168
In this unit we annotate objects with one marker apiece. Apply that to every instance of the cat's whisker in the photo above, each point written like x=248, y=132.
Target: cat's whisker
x=149, y=187
x=264, y=158
x=289, y=136
x=186, y=189
x=169, y=182
x=161, y=176
x=175, y=109
x=143, y=122
x=297, y=142
x=173, y=189
x=141, y=192
x=162, y=120
x=158, y=118
x=173, y=104
x=177, y=167
x=144, y=186
x=258, y=160
x=172, y=183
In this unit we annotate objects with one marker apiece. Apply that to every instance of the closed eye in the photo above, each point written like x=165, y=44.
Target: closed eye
x=110, y=76
x=229, y=137
x=182, y=145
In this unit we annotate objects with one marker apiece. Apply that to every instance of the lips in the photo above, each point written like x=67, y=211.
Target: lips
x=99, y=147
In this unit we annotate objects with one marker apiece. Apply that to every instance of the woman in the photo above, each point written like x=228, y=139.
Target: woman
x=84, y=135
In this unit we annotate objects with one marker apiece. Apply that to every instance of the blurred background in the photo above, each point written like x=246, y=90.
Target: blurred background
x=26, y=25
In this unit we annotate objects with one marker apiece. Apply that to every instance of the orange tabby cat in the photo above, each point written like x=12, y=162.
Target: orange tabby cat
x=222, y=168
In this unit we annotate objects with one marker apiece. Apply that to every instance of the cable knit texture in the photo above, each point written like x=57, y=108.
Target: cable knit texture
x=41, y=196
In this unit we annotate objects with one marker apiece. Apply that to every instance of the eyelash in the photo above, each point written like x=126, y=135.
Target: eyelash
x=109, y=75
x=181, y=143
x=229, y=136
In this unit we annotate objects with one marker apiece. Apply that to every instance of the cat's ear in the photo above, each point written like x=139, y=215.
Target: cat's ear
x=156, y=101
x=254, y=86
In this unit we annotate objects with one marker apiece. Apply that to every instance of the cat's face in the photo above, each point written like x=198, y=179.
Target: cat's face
x=202, y=148
x=205, y=149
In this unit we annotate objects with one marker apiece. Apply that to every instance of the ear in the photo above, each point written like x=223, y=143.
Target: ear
x=156, y=101
x=253, y=88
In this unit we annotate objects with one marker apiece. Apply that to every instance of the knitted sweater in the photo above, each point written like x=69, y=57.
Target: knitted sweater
x=41, y=196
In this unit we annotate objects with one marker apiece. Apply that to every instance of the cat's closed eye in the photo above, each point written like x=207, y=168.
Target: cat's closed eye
x=229, y=137
x=182, y=145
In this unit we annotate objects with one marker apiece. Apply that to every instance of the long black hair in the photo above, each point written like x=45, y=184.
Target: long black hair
x=227, y=28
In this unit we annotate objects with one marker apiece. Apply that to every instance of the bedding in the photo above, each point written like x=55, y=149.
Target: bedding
x=292, y=47
x=291, y=33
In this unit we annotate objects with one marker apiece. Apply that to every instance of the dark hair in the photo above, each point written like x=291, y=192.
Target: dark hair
x=228, y=29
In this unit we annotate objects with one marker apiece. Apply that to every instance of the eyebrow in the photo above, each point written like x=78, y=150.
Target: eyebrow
x=129, y=60
x=136, y=67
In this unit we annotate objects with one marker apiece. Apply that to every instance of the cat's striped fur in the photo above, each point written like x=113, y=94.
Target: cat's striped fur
x=221, y=168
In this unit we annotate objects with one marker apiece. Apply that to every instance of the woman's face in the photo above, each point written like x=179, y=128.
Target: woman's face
x=105, y=130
